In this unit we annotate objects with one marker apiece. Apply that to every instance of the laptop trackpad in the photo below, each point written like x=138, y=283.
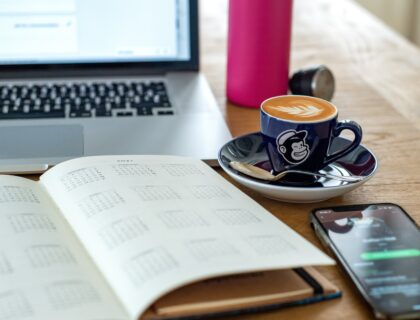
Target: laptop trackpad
x=53, y=141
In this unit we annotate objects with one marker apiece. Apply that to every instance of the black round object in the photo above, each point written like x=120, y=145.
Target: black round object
x=315, y=81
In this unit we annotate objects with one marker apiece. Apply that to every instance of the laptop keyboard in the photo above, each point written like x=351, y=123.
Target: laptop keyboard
x=84, y=100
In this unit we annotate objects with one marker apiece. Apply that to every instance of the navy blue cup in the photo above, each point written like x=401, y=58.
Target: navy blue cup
x=305, y=145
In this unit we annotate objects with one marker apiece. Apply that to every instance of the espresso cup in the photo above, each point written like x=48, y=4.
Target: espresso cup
x=298, y=132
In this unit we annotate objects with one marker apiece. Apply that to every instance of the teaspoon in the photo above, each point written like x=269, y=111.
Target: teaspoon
x=262, y=174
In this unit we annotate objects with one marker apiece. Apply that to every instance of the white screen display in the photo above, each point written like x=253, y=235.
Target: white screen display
x=86, y=31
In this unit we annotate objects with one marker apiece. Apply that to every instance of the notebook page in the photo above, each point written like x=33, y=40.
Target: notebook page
x=44, y=273
x=154, y=223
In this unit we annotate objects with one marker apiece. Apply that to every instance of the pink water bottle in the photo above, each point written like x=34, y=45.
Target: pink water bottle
x=258, y=50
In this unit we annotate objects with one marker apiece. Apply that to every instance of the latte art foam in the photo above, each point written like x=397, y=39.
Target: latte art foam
x=299, y=108
x=301, y=111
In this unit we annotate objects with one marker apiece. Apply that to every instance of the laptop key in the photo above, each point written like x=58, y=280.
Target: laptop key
x=80, y=114
x=5, y=102
x=144, y=112
x=103, y=113
x=31, y=115
x=125, y=114
x=166, y=113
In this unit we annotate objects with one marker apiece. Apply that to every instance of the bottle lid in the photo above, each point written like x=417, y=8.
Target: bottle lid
x=315, y=81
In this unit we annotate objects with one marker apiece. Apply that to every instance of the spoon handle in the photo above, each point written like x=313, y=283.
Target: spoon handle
x=328, y=175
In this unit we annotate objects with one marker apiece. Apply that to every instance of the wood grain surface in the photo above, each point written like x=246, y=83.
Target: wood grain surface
x=378, y=76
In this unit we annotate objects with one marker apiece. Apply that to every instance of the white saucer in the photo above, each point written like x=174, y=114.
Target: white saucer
x=251, y=149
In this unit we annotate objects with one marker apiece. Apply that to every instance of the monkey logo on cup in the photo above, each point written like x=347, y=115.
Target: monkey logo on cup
x=292, y=146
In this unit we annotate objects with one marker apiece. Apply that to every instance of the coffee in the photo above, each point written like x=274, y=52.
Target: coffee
x=298, y=132
x=299, y=108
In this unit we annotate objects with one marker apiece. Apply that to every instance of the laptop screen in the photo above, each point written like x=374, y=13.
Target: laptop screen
x=92, y=31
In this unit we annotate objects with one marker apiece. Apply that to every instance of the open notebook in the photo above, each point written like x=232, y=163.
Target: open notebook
x=124, y=237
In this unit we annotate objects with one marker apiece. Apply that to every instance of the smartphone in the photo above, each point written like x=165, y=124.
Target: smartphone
x=379, y=247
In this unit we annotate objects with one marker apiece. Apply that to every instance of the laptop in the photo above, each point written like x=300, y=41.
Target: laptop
x=81, y=78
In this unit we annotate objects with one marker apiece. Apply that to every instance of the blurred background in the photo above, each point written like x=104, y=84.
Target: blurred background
x=401, y=15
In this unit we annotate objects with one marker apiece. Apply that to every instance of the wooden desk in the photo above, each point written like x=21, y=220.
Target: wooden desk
x=378, y=78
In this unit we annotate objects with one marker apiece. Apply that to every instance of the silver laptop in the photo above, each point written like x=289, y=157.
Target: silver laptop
x=97, y=77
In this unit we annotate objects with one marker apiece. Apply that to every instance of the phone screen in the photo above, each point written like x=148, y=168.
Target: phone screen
x=381, y=245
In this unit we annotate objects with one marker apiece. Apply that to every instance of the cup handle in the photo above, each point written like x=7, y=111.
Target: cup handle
x=340, y=126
